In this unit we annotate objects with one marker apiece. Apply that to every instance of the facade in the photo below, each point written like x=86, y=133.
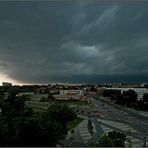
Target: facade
x=6, y=84
x=72, y=92
x=29, y=95
x=71, y=95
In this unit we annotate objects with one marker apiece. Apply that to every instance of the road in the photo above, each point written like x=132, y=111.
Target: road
x=112, y=113
x=114, y=116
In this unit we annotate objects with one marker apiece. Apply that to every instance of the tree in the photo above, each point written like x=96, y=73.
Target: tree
x=13, y=106
x=61, y=113
x=21, y=126
x=112, y=93
x=105, y=141
x=93, y=89
x=128, y=138
x=1, y=99
x=38, y=131
x=120, y=100
x=4, y=132
x=117, y=138
x=130, y=97
x=145, y=97
x=112, y=139
x=43, y=99
x=50, y=97
x=90, y=124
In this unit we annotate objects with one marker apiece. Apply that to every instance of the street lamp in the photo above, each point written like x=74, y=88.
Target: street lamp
x=145, y=141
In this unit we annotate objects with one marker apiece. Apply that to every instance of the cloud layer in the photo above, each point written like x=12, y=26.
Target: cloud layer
x=93, y=42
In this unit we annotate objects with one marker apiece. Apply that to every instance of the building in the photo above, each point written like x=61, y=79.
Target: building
x=6, y=84
x=28, y=95
x=71, y=95
x=72, y=92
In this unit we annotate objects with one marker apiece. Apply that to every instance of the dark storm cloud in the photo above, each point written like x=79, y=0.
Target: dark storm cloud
x=74, y=41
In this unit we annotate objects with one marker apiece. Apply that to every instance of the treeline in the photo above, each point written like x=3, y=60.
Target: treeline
x=127, y=98
x=22, y=126
x=112, y=139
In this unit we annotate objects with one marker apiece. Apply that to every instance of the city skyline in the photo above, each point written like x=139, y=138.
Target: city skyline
x=73, y=42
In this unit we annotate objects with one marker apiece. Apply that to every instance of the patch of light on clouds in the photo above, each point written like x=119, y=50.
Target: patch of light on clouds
x=89, y=51
x=77, y=68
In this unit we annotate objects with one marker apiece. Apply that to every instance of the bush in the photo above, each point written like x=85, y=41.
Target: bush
x=105, y=141
x=117, y=138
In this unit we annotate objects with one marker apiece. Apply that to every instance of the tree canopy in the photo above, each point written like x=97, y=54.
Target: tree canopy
x=112, y=139
x=105, y=141
x=22, y=126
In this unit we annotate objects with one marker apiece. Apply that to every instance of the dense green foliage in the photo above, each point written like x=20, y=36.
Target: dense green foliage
x=61, y=113
x=143, y=104
x=105, y=141
x=22, y=126
x=127, y=98
x=72, y=124
x=112, y=139
x=117, y=138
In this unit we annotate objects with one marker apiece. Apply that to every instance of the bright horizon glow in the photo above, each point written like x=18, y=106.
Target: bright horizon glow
x=4, y=78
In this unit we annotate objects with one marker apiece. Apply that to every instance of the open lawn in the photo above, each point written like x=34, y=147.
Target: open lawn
x=38, y=110
x=73, y=102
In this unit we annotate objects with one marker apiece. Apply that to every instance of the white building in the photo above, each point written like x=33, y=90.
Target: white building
x=25, y=93
x=72, y=92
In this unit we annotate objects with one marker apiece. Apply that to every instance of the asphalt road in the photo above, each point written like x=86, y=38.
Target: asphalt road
x=110, y=112
x=115, y=114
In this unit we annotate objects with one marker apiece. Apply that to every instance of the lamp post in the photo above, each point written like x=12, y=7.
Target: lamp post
x=145, y=141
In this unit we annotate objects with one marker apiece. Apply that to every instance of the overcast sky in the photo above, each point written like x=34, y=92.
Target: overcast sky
x=77, y=42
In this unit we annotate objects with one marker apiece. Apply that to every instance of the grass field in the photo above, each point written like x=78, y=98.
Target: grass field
x=38, y=110
x=72, y=102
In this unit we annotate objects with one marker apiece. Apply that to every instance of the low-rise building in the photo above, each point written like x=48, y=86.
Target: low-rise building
x=6, y=84
x=72, y=92
x=71, y=95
